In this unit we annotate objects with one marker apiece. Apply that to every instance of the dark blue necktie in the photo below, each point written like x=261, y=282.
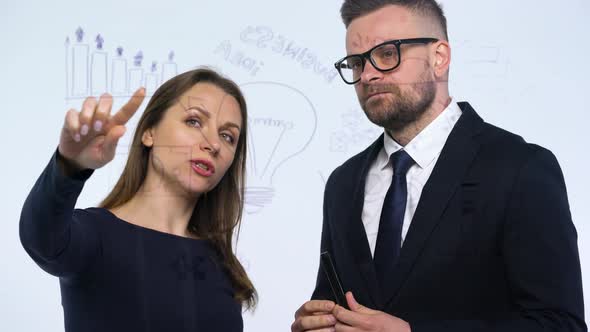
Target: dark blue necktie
x=389, y=237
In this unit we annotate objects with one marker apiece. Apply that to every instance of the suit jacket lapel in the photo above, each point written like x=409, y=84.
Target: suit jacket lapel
x=454, y=161
x=356, y=235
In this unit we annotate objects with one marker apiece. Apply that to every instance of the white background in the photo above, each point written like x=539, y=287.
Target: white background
x=521, y=64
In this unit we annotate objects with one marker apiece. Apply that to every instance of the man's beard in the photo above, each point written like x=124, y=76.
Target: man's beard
x=401, y=108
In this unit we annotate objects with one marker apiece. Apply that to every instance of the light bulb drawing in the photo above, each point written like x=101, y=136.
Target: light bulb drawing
x=282, y=122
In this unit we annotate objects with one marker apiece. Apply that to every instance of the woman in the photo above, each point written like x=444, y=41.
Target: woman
x=156, y=255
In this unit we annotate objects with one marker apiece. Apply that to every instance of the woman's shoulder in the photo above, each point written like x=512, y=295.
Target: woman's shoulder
x=91, y=213
x=95, y=217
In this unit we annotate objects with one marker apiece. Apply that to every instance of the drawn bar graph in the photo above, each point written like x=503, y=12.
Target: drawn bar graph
x=91, y=71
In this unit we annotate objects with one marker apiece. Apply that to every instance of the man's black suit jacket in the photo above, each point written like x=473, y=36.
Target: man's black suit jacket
x=491, y=247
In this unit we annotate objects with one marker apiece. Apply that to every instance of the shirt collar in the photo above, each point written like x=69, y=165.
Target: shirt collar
x=428, y=144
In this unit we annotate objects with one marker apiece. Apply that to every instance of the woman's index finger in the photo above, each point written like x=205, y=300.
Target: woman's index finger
x=127, y=111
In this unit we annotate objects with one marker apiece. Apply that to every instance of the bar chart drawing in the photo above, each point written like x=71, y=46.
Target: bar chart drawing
x=136, y=73
x=91, y=71
x=98, y=68
x=151, y=79
x=169, y=68
x=79, y=67
x=119, y=74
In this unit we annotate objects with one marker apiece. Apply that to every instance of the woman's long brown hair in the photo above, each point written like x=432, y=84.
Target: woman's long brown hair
x=218, y=212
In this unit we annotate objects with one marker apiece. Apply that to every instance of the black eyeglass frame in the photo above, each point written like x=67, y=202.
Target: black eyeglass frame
x=367, y=55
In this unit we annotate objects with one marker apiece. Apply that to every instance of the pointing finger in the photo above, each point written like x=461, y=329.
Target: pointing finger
x=127, y=111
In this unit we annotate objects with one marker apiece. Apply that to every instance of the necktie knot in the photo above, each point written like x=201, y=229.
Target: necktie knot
x=401, y=162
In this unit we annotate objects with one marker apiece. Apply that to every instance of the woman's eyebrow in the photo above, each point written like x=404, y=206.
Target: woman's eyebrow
x=200, y=109
x=231, y=124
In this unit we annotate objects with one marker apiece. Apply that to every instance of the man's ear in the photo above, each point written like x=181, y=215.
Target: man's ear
x=442, y=58
x=147, y=138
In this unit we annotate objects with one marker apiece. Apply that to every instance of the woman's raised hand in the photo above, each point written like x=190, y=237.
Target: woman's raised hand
x=89, y=137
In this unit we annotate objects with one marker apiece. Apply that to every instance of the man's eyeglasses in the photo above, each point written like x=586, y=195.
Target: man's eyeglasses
x=384, y=57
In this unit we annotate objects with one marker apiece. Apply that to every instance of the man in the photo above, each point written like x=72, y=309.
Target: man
x=444, y=223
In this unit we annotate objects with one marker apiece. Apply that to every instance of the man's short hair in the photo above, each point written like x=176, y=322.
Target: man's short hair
x=352, y=9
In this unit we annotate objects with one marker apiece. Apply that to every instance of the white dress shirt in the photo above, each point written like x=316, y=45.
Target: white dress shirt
x=424, y=149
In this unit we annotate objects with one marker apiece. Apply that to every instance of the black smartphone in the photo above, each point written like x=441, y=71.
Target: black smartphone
x=333, y=279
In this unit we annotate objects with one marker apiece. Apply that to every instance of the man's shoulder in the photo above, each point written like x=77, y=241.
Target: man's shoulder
x=504, y=154
x=494, y=141
x=507, y=145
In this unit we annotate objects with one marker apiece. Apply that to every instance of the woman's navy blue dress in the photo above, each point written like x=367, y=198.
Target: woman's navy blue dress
x=116, y=276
